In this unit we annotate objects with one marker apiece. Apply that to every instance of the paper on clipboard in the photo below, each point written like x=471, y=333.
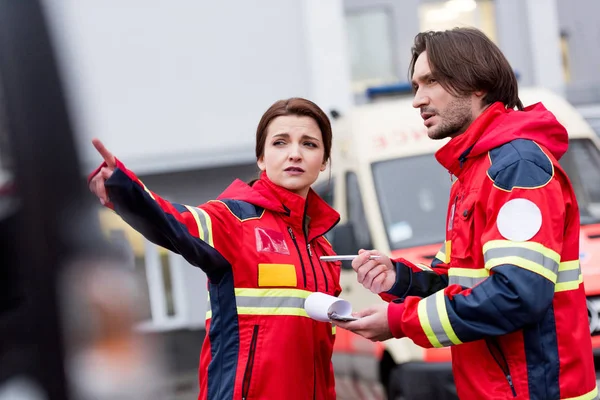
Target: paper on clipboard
x=319, y=306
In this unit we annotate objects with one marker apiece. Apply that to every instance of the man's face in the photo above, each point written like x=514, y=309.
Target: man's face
x=444, y=114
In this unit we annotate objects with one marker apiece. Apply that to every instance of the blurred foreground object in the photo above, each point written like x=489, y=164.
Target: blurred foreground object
x=67, y=304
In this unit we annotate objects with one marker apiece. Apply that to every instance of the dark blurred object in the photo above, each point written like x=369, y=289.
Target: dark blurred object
x=46, y=222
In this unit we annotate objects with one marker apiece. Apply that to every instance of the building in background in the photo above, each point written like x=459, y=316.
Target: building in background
x=550, y=43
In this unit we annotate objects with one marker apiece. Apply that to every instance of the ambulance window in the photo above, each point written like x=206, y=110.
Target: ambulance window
x=413, y=197
x=356, y=212
x=582, y=164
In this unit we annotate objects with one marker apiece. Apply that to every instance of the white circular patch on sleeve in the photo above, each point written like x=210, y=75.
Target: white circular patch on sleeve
x=519, y=220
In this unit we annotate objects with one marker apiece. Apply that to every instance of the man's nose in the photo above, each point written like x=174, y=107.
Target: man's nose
x=420, y=100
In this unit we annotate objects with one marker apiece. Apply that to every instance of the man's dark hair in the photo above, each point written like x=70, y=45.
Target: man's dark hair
x=465, y=60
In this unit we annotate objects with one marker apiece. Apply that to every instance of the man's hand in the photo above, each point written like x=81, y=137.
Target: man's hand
x=97, y=182
x=372, y=323
x=376, y=275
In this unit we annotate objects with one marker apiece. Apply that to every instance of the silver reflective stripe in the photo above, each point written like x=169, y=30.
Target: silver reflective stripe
x=435, y=322
x=204, y=224
x=527, y=254
x=568, y=276
x=465, y=281
x=244, y=301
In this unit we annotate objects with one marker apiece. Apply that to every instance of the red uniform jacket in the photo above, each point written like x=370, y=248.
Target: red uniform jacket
x=260, y=248
x=506, y=290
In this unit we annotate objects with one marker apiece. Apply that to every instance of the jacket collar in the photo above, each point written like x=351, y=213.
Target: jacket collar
x=498, y=125
x=454, y=154
x=292, y=208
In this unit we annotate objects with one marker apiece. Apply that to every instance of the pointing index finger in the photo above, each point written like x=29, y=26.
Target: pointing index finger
x=106, y=155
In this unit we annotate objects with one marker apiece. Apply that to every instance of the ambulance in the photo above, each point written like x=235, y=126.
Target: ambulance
x=392, y=195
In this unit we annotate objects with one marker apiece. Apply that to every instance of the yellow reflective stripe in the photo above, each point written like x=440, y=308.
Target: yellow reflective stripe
x=147, y=191
x=528, y=255
x=333, y=329
x=204, y=224
x=469, y=272
x=435, y=321
x=271, y=301
x=569, y=276
x=467, y=277
x=448, y=248
x=424, y=320
x=523, y=263
x=257, y=292
x=540, y=248
x=270, y=292
x=593, y=395
x=299, y=312
x=568, y=265
x=441, y=254
x=440, y=301
x=424, y=267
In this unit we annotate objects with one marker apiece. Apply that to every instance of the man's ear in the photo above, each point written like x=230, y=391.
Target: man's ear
x=261, y=163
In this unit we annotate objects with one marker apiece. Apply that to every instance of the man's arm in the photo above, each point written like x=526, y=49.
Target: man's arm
x=521, y=246
x=418, y=279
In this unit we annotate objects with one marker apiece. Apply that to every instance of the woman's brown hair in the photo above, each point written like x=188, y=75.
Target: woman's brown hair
x=294, y=106
x=465, y=60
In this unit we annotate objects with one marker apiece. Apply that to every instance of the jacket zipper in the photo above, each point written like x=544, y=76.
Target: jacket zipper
x=503, y=364
x=311, y=263
x=299, y=254
x=249, y=364
x=324, y=276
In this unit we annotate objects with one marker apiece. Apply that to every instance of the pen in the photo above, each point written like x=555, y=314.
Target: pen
x=344, y=258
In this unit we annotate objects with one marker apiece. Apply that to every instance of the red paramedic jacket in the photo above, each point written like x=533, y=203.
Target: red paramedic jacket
x=506, y=289
x=260, y=248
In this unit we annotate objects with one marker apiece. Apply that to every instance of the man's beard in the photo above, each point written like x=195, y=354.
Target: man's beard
x=455, y=119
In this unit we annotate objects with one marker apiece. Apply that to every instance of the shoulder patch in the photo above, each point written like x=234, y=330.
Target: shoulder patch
x=520, y=163
x=243, y=210
x=519, y=220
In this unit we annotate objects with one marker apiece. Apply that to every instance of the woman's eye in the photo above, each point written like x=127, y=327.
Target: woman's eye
x=310, y=144
x=278, y=142
x=432, y=81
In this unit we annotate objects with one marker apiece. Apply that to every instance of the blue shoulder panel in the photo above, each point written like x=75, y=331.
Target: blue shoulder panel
x=520, y=163
x=243, y=210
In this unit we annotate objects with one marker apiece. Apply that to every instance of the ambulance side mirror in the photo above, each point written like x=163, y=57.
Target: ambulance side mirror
x=344, y=241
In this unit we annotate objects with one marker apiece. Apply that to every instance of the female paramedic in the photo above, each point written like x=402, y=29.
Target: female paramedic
x=259, y=245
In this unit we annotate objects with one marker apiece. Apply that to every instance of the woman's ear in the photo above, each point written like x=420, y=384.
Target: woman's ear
x=324, y=166
x=261, y=163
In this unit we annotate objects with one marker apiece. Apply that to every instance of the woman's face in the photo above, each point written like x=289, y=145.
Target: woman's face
x=293, y=155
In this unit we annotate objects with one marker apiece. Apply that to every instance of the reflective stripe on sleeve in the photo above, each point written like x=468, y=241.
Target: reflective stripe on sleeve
x=467, y=277
x=527, y=255
x=204, y=224
x=441, y=254
x=435, y=322
x=569, y=276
